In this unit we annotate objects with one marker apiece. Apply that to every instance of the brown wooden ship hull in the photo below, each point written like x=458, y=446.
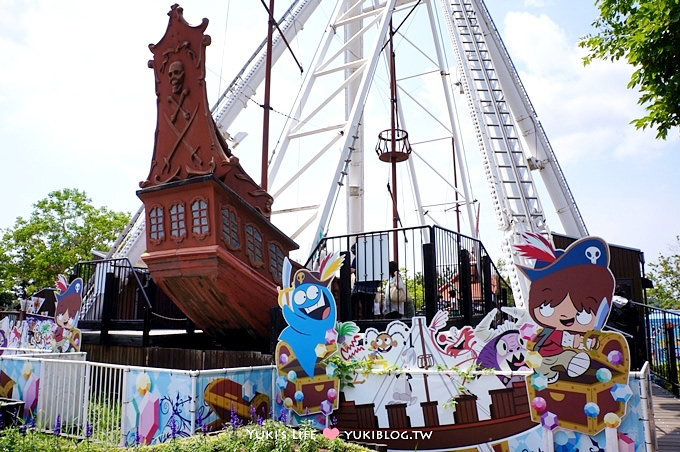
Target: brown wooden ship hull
x=221, y=267
x=210, y=244
x=214, y=289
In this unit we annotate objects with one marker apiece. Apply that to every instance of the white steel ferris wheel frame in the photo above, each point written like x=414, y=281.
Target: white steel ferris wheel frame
x=511, y=140
x=503, y=117
x=358, y=63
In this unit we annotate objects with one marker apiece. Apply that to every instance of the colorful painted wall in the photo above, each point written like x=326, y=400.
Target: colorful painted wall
x=33, y=330
x=542, y=378
x=161, y=404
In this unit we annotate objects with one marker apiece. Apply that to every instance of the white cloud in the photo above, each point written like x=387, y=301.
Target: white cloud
x=585, y=110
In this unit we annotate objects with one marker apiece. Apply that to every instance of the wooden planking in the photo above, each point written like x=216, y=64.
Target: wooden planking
x=174, y=358
x=666, y=419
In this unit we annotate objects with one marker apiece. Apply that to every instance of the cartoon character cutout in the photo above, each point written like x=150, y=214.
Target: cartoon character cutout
x=66, y=313
x=388, y=347
x=503, y=347
x=308, y=306
x=570, y=298
x=506, y=351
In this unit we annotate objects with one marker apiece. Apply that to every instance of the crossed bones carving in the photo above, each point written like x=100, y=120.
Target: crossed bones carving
x=179, y=105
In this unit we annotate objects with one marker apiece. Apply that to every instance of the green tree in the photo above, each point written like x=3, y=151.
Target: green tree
x=63, y=229
x=645, y=33
x=665, y=274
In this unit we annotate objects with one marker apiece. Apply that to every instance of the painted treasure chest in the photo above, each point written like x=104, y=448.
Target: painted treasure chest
x=581, y=403
x=304, y=394
x=225, y=396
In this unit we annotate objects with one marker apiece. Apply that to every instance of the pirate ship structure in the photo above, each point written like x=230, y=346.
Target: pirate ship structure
x=211, y=246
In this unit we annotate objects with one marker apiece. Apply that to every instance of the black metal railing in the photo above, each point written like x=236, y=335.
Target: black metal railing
x=117, y=295
x=662, y=344
x=443, y=270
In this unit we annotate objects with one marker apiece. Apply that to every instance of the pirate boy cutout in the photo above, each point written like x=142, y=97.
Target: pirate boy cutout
x=580, y=371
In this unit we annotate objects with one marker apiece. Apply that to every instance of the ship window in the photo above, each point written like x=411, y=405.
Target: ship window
x=156, y=230
x=276, y=260
x=178, y=228
x=199, y=218
x=254, y=244
x=230, y=228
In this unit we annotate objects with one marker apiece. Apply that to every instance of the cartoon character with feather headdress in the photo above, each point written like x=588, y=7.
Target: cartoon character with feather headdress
x=309, y=309
x=570, y=297
x=66, y=313
x=580, y=371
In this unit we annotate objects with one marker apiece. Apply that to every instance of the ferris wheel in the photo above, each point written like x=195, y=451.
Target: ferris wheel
x=378, y=135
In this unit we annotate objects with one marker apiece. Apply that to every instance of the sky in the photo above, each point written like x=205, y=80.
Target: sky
x=77, y=107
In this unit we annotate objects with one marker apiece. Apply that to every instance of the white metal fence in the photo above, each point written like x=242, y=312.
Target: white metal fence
x=125, y=405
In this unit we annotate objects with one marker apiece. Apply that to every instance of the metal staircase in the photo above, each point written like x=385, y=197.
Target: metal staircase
x=504, y=118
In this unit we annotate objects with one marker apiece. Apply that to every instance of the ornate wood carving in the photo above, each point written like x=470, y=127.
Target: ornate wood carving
x=187, y=143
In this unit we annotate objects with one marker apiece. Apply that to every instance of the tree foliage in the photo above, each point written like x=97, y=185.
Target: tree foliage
x=63, y=229
x=645, y=33
x=665, y=275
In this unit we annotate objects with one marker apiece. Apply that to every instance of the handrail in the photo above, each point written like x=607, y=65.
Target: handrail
x=130, y=267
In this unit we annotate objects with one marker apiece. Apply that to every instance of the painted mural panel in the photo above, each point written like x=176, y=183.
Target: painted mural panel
x=234, y=397
x=157, y=407
x=423, y=388
x=544, y=378
x=421, y=394
x=20, y=380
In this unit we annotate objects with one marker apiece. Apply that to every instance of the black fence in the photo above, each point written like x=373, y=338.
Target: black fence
x=118, y=296
x=663, y=345
x=442, y=270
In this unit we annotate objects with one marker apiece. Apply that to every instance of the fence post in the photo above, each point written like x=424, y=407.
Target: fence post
x=86, y=398
x=465, y=286
x=110, y=295
x=672, y=358
x=430, y=280
x=487, y=293
x=147, y=327
x=345, y=288
x=194, y=397
x=125, y=402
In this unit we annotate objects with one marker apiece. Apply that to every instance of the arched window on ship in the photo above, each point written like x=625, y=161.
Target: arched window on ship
x=276, y=257
x=178, y=225
x=254, y=246
x=199, y=218
x=230, y=228
x=156, y=227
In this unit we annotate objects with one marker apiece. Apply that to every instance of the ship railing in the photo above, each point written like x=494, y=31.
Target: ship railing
x=119, y=296
x=442, y=269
